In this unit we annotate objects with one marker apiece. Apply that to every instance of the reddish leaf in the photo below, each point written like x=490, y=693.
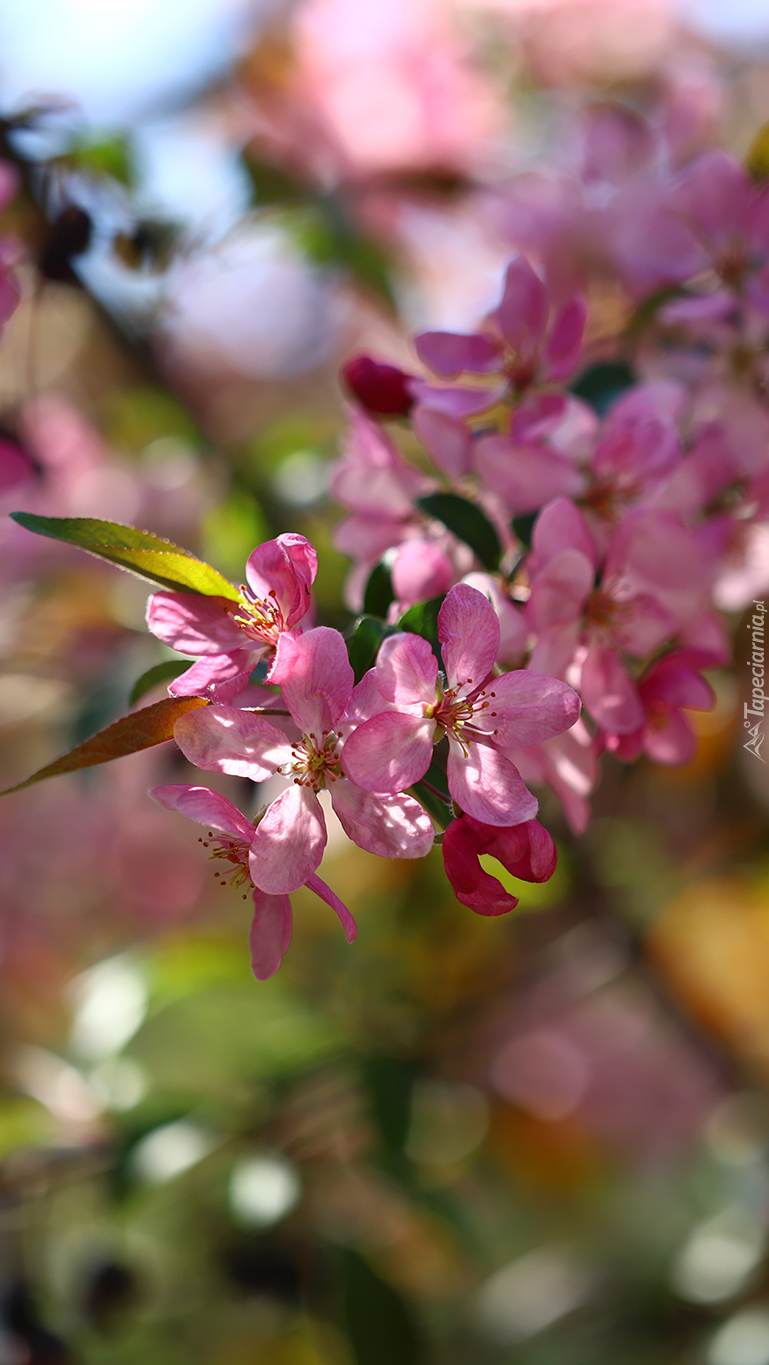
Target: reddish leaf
x=140, y=730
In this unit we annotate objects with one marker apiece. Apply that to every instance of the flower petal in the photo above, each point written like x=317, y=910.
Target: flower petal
x=457, y=400
x=192, y=623
x=472, y=885
x=229, y=741
x=523, y=309
x=314, y=883
x=468, y=629
x=487, y=786
x=207, y=807
x=289, y=842
x=407, y=670
x=390, y=752
x=270, y=933
x=565, y=341
x=451, y=353
x=285, y=567
x=530, y=707
x=446, y=440
x=609, y=694
x=315, y=676
x=222, y=676
x=421, y=570
x=390, y=826
x=526, y=476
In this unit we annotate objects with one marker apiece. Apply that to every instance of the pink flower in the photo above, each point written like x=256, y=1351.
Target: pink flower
x=668, y=689
x=568, y=765
x=526, y=850
x=229, y=638
x=521, y=343
x=481, y=715
x=232, y=844
x=317, y=686
x=652, y=577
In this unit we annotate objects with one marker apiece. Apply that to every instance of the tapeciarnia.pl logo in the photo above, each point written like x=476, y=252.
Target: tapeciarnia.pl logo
x=758, y=699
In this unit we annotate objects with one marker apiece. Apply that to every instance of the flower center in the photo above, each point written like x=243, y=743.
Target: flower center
x=600, y=610
x=260, y=618
x=233, y=851
x=314, y=761
x=454, y=716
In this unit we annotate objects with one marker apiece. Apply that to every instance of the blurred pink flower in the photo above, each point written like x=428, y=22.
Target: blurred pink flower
x=391, y=84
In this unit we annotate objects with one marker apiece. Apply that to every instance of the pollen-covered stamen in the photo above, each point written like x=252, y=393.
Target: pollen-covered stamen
x=233, y=851
x=314, y=761
x=455, y=716
x=260, y=618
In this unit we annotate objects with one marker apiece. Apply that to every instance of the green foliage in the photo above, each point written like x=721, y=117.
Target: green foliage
x=140, y=552
x=422, y=619
x=104, y=156
x=523, y=528
x=466, y=521
x=381, y=1326
x=757, y=159
x=379, y=591
x=232, y=529
x=141, y=730
x=363, y=645
x=163, y=672
x=135, y=417
x=603, y=383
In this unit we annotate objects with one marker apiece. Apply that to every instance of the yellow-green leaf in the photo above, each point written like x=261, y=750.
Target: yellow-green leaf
x=140, y=730
x=757, y=159
x=147, y=555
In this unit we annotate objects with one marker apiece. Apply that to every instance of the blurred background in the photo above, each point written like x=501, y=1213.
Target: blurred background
x=542, y=1139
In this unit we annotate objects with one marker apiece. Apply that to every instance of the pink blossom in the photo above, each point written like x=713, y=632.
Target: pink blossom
x=482, y=715
x=317, y=686
x=513, y=629
x=668, y=689
x=653, y=575
x=521, y=343
x=229, y=638
x=232, y=844
x=568, y=765
x=526, y=850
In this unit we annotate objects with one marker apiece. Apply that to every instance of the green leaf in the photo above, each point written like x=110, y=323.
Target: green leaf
x=141, y=730
x=389, y=1082
x=438, y=809
x=170, y=668
x=379, y=591
x=380, y=1323
x=147, y=555
x=422, y=619
x=757, y=159
x=466, y=521
x=603, y=383
x=523, y=528
x=363, y=646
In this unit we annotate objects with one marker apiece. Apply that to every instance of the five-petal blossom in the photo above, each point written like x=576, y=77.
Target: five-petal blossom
x=316, y=680
x=481, y=714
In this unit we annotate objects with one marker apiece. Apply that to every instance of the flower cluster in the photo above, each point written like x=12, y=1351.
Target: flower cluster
x=547, y=584
x=624, y=496
x=543, y=585
x=367, y=745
